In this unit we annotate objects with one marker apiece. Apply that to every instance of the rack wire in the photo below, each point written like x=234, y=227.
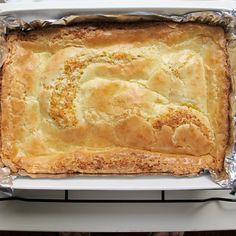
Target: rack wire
x=163, y=199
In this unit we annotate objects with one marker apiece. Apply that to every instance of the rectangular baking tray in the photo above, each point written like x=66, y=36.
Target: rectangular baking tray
x=29, y=11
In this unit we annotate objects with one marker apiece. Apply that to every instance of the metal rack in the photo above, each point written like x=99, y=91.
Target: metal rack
x=162, y=200
x=98, y=211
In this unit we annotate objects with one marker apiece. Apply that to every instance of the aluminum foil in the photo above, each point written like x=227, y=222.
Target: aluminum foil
x=3, y=52
x=6, y=181
x=230, y=159
x=225, y=19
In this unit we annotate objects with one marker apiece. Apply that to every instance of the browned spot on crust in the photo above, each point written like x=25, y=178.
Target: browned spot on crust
x=62, y=109
x=175, y=118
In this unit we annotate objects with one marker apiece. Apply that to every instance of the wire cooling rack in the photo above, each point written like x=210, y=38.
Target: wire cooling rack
x=163, y=199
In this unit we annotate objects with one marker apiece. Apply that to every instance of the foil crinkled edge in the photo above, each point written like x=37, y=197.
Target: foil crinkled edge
x=225, y=19
x=6, y=181
x=230, y=158
x=222, y=18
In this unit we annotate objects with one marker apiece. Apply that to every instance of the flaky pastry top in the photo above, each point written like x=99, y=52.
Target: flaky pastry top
x=156, y=88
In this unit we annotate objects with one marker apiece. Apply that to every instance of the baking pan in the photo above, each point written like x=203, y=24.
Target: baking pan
x=29, y=11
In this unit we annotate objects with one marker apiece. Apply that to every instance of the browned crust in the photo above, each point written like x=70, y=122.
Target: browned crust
x=117, y=160
x=129, y=161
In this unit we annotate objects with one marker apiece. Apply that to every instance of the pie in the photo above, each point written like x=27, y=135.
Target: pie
x=127, y=98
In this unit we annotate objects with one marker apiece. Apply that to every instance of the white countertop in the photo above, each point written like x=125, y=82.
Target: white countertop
x=118, y=217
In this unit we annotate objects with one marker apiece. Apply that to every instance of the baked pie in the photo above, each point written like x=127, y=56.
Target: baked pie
x=132, y=98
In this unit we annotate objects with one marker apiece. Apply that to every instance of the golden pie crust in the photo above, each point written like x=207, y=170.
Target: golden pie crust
x=115, y=99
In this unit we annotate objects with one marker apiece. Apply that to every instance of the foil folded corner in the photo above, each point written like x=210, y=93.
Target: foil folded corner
x=6, y=181
x=230, y=166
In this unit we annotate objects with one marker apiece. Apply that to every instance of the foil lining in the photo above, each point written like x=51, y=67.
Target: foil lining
x=230, y=159
x=222, y=18
x=225, y=19
x=2, y=41
x=6, y=181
